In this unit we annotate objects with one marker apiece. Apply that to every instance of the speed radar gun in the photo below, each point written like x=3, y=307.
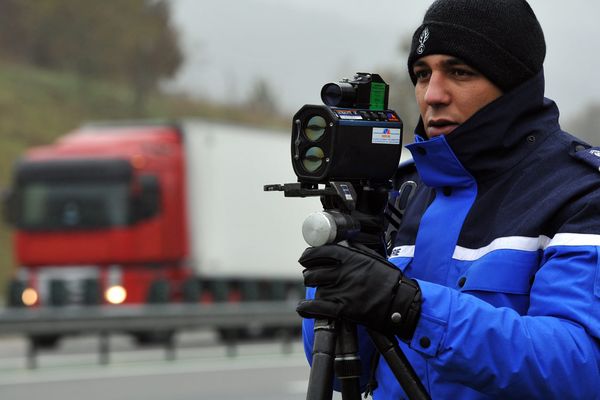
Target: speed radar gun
x=341, y=150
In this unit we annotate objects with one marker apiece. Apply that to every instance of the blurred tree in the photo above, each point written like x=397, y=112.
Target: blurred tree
x=125, y=40
x=262, y=97
x=586, y=125
x=14, y=23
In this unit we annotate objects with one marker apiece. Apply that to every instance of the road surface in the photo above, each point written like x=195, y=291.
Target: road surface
x=203, y=369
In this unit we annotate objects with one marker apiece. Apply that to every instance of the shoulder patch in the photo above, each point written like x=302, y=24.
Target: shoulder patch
x=586, y=154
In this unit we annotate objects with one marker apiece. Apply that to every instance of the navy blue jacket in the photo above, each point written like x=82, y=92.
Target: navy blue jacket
x=503, y=237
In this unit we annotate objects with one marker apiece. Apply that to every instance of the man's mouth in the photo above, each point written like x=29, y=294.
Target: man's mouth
x=440, y=127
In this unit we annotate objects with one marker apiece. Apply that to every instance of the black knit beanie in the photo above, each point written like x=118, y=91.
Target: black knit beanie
x=502, y=39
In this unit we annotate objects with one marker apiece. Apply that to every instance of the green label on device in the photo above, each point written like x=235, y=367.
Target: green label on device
x=377, y=96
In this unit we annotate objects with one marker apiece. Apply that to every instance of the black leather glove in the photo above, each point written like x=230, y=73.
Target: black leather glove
x=361, y=287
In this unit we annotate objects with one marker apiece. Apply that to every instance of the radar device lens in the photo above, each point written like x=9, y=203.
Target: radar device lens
x=315, y=128
x=313, y=159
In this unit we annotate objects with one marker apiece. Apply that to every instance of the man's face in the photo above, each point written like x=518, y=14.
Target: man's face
x=449, y=92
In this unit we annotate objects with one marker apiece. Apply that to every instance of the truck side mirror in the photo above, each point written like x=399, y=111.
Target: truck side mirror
x=147, y=203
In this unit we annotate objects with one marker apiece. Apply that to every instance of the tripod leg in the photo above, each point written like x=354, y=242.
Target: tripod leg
x=398, y=363
x=320, y=381
x=347, y=362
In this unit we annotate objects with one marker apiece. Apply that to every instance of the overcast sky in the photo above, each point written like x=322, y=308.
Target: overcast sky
x=299, y=45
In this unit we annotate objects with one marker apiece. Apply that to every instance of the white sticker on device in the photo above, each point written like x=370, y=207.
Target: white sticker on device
x=386, y=136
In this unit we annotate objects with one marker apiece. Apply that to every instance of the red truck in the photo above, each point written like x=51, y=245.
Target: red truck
x=118, y=213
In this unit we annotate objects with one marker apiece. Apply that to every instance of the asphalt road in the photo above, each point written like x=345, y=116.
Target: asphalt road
x=203, y=369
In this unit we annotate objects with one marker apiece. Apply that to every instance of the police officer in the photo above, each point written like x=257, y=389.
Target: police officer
x=493, y=286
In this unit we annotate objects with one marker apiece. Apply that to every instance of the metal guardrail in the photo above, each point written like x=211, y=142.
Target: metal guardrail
x=64, y=320
x=104, y=320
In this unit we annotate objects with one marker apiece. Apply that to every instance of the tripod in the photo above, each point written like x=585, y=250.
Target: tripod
x=335, y=349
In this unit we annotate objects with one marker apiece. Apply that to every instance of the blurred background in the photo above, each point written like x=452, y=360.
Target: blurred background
x=252, y=63
x=63, y=62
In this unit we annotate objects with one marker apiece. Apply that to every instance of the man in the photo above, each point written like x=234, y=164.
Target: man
x=493, y=285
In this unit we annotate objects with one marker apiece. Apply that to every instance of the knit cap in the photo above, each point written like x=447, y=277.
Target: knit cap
x=502, y=39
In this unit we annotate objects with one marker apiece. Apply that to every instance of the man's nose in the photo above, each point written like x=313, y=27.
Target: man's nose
x=437, y=90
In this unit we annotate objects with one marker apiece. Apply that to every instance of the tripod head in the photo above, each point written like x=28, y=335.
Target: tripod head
x=333, y=224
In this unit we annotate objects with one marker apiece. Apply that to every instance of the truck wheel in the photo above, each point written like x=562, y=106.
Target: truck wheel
x=48, y=342
x=228, y=335
x=153, y=337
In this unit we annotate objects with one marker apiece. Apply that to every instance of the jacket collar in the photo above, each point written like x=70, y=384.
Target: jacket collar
x=501, y=134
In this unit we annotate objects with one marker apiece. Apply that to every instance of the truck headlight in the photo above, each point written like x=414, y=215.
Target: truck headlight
x=29, y=297
x=115, y=294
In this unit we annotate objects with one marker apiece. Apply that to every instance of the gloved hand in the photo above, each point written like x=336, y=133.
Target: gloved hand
x=361, y=287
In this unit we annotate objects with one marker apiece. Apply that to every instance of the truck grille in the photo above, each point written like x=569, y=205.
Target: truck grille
x=61, y=286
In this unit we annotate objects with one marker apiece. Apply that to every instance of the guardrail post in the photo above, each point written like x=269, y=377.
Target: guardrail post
x=231, y=344
x=103, y=348
x=286, y=340
x=170, y=350
x=32, y=350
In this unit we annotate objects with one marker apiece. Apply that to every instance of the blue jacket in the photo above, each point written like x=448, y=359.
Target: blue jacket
x=503, y=237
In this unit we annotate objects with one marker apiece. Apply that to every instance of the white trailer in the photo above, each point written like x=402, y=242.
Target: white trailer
x=237, y=229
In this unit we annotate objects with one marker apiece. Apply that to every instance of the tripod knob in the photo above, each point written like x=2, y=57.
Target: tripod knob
x=325, y=227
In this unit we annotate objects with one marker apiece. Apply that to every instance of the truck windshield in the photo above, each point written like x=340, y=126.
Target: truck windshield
x=73, y=205
x=72, y=194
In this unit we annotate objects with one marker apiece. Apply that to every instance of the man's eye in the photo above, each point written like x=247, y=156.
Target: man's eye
x=422, y=74
x=462, y=72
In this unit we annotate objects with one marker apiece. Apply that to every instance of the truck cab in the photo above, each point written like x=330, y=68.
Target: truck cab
x=99, y=218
